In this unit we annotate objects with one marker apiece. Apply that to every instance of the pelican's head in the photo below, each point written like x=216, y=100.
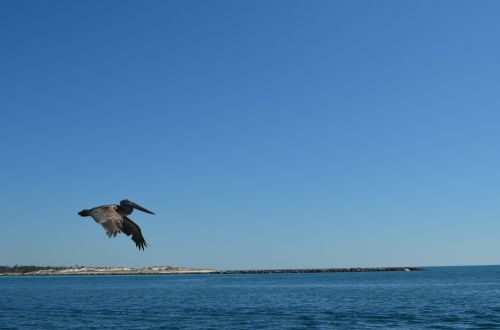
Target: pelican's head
x=127, y=204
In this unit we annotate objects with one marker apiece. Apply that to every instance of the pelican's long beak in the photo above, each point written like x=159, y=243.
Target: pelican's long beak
x=140, y=208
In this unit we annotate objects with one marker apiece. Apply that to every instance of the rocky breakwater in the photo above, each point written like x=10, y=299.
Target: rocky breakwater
x=320, y=270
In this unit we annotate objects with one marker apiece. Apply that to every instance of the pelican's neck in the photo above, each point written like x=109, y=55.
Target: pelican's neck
x=125, y=209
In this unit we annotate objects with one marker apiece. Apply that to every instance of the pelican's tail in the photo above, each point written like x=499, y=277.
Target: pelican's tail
x=84, y=213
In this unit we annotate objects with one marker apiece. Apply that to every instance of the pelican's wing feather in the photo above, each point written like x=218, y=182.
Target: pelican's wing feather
x=107, y=217
x=131, y=228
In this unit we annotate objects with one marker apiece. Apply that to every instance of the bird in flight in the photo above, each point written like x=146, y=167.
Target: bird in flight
x=113, y=218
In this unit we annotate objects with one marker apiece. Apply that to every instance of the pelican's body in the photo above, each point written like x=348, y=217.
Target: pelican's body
x=113, y=218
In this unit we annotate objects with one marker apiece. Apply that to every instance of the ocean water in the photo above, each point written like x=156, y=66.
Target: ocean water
x=438, y=298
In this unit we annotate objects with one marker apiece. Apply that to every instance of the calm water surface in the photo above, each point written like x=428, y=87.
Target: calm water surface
x=438, y=298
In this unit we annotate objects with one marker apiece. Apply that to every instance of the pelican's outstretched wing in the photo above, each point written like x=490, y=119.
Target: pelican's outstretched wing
x=131, y=228
x=107, y=217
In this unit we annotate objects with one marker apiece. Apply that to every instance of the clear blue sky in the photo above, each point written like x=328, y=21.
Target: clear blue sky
x=262, y=133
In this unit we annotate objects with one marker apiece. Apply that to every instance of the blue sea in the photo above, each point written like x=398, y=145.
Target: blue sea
x=437, y=298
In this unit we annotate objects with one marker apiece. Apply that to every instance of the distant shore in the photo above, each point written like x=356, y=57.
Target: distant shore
x=322, y=270
x=169, y=270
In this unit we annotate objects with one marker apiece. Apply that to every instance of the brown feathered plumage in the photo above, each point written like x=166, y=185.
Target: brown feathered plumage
x=113, y=218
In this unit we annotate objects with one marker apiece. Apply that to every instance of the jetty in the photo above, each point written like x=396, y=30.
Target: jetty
x=320, y=270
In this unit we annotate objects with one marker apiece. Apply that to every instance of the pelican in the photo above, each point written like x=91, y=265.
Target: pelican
x=113, y=218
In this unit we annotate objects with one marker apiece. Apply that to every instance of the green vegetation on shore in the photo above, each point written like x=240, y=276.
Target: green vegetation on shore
x=16, y=269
